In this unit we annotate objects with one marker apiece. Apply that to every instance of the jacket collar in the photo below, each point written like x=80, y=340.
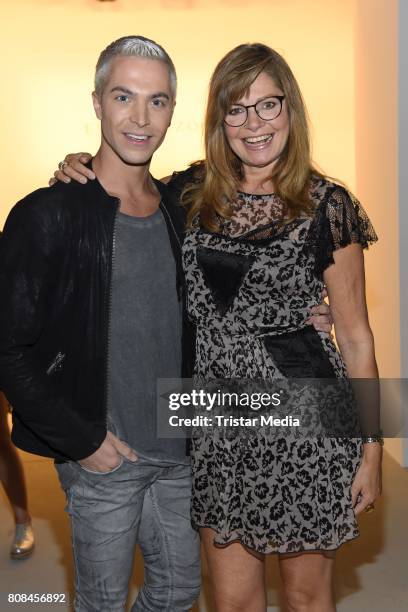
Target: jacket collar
x=161, y=187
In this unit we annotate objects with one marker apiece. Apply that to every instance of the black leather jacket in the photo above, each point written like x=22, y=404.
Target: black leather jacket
x=56, y=257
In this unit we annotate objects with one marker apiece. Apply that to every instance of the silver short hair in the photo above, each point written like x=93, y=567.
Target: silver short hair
x=137, y=46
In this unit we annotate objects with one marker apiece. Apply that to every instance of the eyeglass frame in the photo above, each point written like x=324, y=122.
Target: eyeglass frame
x=280, y=98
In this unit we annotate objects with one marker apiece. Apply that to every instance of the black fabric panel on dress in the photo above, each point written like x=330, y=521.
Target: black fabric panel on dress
x=300, y=354
x=223, y=274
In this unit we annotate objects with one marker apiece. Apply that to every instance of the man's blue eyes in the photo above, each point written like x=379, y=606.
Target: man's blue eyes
x=155, y=102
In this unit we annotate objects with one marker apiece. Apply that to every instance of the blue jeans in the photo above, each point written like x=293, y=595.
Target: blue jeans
x=142, y=503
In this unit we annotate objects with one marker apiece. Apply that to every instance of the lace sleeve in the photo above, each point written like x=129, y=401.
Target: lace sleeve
x=340, y=221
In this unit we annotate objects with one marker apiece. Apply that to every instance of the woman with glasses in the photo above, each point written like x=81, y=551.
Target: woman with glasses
x=267, y=231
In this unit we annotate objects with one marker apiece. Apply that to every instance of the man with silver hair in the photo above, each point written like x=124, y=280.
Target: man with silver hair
x=92, y=314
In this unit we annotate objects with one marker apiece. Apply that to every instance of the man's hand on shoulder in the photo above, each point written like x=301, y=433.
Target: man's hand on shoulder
x=109, y=455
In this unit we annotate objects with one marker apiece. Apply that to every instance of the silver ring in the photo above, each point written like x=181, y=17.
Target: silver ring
x=62, y=165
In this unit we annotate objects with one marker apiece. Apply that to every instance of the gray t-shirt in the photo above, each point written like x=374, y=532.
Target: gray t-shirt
x=145, y=334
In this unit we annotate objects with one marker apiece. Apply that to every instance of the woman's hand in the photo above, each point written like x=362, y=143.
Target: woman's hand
x=367, y=484
x=74, y=168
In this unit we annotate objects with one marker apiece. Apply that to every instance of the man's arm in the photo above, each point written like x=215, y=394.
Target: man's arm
x=27, y=273
x=321, y=316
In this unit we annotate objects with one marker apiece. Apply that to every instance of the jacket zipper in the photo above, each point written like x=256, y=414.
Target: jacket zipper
x=56, y=363
x=109, y=314
x=163, y=208
x=168, y=216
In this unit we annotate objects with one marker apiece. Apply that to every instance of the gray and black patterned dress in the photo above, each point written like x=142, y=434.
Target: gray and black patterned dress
x=250, y=291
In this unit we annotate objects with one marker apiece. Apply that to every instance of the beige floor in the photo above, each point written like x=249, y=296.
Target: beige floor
x=372, y=573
